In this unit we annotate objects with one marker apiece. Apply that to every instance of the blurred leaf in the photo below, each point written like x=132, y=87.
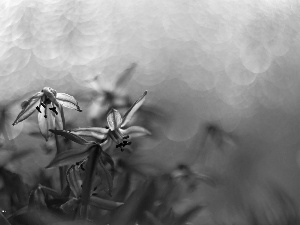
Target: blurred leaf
x=152, y=218
x=70, y=206
x=71, y=136
x=188, y=215
x=107, y=174
x=15, y=186
x=74, y=180
x=37, y=199
x=3, y=220
x=125, y=75
x=104, y=203
x=138, y=202
x=70, y=156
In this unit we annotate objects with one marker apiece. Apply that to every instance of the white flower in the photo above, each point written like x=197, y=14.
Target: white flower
x=48, y=103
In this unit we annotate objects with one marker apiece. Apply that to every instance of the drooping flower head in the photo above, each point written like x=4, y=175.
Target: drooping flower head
x=48, y=103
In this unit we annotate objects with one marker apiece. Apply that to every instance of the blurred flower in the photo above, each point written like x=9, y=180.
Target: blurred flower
x=49, y=99
x=114, y=131
x=108, y=95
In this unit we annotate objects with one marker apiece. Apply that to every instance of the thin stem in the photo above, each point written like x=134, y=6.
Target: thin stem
x=87, y=183
x=61, y=169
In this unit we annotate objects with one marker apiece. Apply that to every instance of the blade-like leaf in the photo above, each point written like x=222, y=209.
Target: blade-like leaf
x=74, y=180
x=135, y=131
x=3, y=220
x=46, y=121
x=103, y=203
x=69, y=135
x=107, y=174
x=95, y=132
x=128, y=115
x=187, y=215
x=70, y=206
x=70, y=157
x=67, y=101
x=114, y=119
x=28, y=107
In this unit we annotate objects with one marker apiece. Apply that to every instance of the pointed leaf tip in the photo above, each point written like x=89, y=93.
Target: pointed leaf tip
x=69, y=135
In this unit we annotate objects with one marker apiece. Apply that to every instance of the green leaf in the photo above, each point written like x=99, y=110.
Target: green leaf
x=70, y=157
x=74, y=180
x=188, y=215
x=136, y=105
x=70, y=206
x=104, y=203
x=3, y=220
x=71, y=136
x=107, y=174
x=95, y=132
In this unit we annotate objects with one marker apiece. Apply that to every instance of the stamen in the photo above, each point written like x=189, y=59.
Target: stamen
x=38, y=109
x=43, y=104
x=54, y=110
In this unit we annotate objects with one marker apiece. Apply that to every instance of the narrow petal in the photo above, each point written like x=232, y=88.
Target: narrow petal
x=28, y=107
x=46, y=121
x=114, y=119
x=128, y=115
x=95, y=132
x=135, y=131
x=106, y=144
x=67, y=101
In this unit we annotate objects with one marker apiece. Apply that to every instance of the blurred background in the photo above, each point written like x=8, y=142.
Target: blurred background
x=233, y=64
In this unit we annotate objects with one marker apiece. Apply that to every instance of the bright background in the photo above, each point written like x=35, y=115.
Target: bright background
x=231, y=62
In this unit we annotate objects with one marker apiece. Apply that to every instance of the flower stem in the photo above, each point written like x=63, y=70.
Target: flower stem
x=87, y=183
x=62, y=170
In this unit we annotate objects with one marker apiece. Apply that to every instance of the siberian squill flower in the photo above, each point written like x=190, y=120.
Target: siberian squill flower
x=115, y=130
x=48, y=103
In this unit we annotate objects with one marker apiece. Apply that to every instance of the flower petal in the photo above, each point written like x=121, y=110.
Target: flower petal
x=128, y=115
x=135, y=131
x=106, y=144
x=67, y=101
x=28, y=107
x=95, y=132
x=51, y=94
x=46, y=123
x=114, y=119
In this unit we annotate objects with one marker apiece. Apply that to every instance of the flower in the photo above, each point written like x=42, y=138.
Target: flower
x=115, y=130
x=46, y=103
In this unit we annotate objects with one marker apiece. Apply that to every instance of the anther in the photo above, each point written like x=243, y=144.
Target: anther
x=38, y=109
x=54, y=110
x=43, y=104
x=126, y=137
x=45, y=116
